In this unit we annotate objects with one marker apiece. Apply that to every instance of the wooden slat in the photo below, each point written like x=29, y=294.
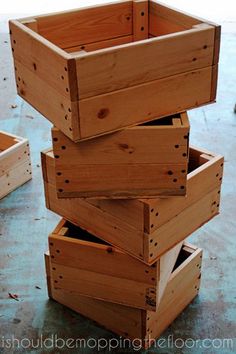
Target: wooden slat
x=164, y=19
x=87, y=25
x=89, y=47
x=206, y=177
x=140, y=20
x=183, y=286
x=113, y=68
x=14, y=178
x=146, y=102
x=134, y=323
x=128, y=211
x=183, y=224
x=80, y=263
x=129, y=180
x=30, y=49
x=142, y=144
x=62, y=112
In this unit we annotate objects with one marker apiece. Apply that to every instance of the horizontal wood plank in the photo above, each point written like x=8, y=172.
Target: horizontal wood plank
x=87, y=25
x=104, y=113
x=113, y=68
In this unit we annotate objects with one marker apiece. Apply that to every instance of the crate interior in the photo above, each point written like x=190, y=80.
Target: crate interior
x=195, y=160
x=76, y=232
x=6, y=141
x=109, y=25
x=182, y=257
x=165, y=121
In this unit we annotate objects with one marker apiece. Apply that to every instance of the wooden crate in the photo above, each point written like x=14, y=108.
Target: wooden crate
x=144, y=161
x=85, y=265
x=129, y=322
x=113, y=66
x=145, y=228
x=15, y=165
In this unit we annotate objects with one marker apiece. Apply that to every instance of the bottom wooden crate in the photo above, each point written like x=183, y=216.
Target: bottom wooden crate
x=142, y=325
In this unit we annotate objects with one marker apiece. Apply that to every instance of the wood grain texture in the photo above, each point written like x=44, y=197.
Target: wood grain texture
x=164, y=19
x=113, y=69
x=146, y=102
x=123, y=230
x=87, y=25
x=183, y=286
x=83, y=264
x=140, y=20
x=147, y=160
x=15, y=163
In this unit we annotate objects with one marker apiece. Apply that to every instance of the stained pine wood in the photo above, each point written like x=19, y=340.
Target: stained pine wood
x=158, y=60
x=15, y=164
x=183, y=285
x=147, y=160
x=121, y=226
x=83, y=264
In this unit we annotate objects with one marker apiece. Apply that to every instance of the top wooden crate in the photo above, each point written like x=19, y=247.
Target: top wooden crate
x=100, y=69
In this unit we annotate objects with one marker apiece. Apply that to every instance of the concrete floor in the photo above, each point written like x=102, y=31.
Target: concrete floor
x=25, y=224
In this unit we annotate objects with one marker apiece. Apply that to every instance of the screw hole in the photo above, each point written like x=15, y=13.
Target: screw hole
x=67, y=90
x=146, y=271
x=57, y=156
x=51, y=243
x=222, y=165
x=217, y=175
x=14, y=41
x=53, y=268
x=70, y=129
x=69, y=109
x=63, y=147
x=155, y=244
x=60, y=190
x=185, y=136
x=218, y=205
x=175, y=180
x=82, y=47
x=55, y=139
x=142, y=28
x=66, y=116
x=59, y=173
x=184, y=154
x=58, y=251
x=151, y=254
x=67, y=181
x=151, y=240
x=142, y=13
x=60, y=276
x=62, y=77
x=152, y=226
x=152, y=210
x=220, y=178
x=65, y=68
x=183, y=171
x=55, y=281
x=205, y=46
x=170, y=173
x=176, y=146
x=181, y=187
x=157, y=213
x=153, y=279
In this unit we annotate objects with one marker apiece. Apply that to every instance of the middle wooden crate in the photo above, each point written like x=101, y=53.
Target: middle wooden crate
x=145, y=228
x=144, y=161
x=86, y=265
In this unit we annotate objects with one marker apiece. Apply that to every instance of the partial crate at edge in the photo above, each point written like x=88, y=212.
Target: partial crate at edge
x=145, y=161
x=95, y=70
x=144, y=228
x=15, y=164
x=129, y=322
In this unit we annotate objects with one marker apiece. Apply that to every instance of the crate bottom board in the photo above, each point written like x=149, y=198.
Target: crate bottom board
x=133, y=323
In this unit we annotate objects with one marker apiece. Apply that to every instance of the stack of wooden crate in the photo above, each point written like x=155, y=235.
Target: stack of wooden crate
x=116, y=81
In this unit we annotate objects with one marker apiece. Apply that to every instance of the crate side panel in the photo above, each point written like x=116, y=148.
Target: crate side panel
x=149, y=101
x=123, y=67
